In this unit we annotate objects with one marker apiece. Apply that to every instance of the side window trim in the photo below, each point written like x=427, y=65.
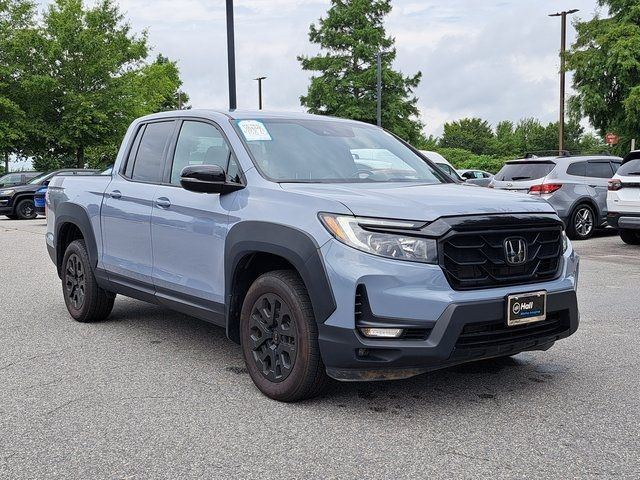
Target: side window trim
x=174, y=143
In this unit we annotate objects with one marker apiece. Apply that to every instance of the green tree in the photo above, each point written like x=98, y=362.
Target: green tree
x=17, y=21
x=605, y=59
x=350, y=36
x=96, y=77
x=472, y=134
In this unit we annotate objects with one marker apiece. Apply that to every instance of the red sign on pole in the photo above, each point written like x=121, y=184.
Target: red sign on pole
x=612, y=139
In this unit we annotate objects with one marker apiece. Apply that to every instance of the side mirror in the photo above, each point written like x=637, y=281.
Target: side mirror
x=207, y=179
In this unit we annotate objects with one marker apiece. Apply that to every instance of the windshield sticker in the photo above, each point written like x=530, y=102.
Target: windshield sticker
x=254, y=131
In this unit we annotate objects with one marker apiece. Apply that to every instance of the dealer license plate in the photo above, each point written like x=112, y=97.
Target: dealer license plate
x=526, y=308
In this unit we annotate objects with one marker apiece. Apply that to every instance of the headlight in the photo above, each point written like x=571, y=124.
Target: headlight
x=376, y=236
x=565, y=242
x=6, y=192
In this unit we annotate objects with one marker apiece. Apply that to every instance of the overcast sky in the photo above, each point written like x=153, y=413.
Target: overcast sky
x=496, y=59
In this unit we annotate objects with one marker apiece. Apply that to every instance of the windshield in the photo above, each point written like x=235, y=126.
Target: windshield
x=513, y=172
x=632, y=167
x=305, y=150
x=38, y=179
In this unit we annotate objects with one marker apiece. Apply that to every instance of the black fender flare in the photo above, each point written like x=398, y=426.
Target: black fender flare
x=71, y=213
x=294, y=245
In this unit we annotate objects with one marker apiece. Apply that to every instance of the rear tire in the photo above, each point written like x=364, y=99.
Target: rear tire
x=630, y=237
x=12, y=217
x=279, y=337
x=85, y=300
x=26, y=209
x=582, y=223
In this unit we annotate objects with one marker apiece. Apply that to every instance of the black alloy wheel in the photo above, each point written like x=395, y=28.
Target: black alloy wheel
x=26, y=210
x=274, y=336
x=75, y=282
x=279, y=337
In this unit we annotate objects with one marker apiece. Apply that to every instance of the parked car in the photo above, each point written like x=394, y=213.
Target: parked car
x=477, y=177
x=623, y=199
x=320, y=263
x=575, y=186
x=18, y=202
x=39, y=200
x=443, y=164
x=17, y=178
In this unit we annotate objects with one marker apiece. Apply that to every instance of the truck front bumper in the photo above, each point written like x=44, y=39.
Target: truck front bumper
x=464, y=332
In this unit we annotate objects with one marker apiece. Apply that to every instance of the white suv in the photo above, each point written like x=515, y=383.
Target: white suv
x=623, y=199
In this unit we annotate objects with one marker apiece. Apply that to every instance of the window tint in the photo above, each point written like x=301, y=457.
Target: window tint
x=599, y=170
x=632, y=167
x=513, y=172
x=615, y=166
x=578, y=169
x=149, y=162
x=11, y=178
x=200, y=143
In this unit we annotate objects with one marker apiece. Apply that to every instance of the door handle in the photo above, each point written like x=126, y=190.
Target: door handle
x=163, y=202
x=115, y=194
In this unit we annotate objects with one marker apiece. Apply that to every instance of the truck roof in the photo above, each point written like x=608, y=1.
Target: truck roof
x=241, y=115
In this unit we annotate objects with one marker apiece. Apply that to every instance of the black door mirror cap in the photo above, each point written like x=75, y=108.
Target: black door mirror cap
x=207, y=179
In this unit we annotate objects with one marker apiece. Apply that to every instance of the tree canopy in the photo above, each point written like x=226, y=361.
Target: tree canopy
x=605, y=59
x=350, y=37
x=80, y=75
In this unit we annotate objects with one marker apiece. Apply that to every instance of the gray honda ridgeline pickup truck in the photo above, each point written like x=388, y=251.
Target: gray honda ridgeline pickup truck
x=325, y=248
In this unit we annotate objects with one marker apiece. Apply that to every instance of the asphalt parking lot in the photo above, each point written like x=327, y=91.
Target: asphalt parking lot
x=155, y=394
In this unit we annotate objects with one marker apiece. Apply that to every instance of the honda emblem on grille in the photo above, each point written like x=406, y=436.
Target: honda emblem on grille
x=515, y=250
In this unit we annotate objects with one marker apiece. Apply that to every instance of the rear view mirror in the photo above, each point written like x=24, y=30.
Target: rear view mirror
x=207, y=179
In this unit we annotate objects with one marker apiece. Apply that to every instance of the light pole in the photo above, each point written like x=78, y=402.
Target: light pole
x=231, y=56
x=379, y=89
x=563, y=48
x=259, y=80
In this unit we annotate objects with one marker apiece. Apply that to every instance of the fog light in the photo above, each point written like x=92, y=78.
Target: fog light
x=381, y=332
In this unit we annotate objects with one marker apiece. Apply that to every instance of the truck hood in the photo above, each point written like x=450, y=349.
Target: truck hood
x=421, y=201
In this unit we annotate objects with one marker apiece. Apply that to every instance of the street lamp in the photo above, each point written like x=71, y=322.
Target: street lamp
x=231, y=56
x=259, y=80
x=563, y=47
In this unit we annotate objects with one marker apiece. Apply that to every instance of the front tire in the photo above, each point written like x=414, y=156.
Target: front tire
x=279, y=337
x=582, y=223
x=26, y=209
x=630, y=237
x=85, y=300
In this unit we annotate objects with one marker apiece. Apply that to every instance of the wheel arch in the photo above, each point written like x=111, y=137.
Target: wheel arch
x=254, y=247
x=72, y=223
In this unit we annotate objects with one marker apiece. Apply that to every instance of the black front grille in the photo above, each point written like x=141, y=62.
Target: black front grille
x=497, y=333
x=472, y=259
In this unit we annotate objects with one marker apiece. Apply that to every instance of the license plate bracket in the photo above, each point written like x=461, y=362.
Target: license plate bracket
x=524, y=308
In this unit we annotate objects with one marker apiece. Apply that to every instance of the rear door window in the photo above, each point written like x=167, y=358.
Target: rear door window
x=523, y=171
x=632, y=167
x=599, y=170
x=149, y=161
x=578, y=169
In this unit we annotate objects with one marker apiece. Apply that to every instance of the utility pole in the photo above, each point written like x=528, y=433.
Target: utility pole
x=179, y=99
x=379, y=89
x=563, y=48
x=231, y=56
x=259, y=80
